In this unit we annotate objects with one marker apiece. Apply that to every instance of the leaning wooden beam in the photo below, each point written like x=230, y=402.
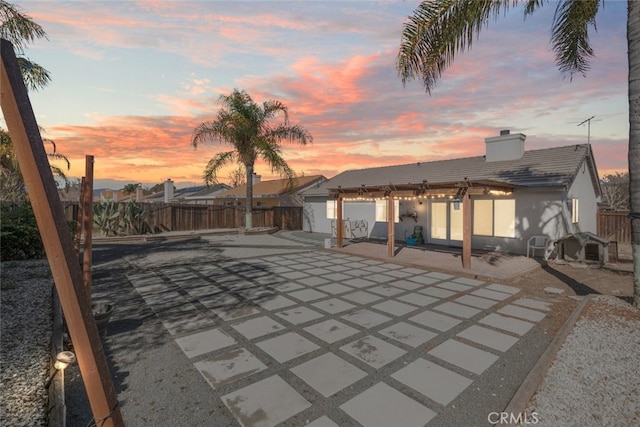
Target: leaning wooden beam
x=56, y=237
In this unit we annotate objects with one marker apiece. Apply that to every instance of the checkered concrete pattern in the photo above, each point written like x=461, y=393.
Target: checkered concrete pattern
x=325, y=339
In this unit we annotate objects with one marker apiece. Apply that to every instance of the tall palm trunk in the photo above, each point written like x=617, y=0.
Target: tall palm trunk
x=249, y=199
x=633, y=41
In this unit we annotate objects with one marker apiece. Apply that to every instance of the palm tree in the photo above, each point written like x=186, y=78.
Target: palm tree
x=438, y=29
x=250, y=130
x=20, y=30
x=11, y=180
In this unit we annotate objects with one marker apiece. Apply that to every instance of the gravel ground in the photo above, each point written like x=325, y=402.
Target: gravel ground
x=594, y=379
x=25, y=341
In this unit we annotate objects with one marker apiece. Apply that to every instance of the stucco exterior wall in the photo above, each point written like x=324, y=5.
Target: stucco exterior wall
x=582, y=189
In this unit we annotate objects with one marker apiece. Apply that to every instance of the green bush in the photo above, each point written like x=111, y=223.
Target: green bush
x=19, y=235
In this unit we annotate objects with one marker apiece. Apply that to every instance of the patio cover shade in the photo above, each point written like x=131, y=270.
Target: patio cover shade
x=478, y=187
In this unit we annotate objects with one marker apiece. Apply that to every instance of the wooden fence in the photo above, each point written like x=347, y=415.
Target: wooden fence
x=187, y=217
x=615, y=226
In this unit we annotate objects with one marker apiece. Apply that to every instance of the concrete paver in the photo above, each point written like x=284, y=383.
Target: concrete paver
x=509, y=324
x=432, y=380
x=465, y=356
x=204, y=342
x=488, y=337
x=265, y=403
x=331, y=330
x=286, y=347
x=257, y=327
x=436, y=321
x=328, y=373
x=228, y=367
x=384, y=406
x=408, y=334
x=522, y=313
x=373, y=351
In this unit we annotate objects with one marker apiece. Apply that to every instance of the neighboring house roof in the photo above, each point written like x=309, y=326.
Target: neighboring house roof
x=274, y=188
x=195, y=192
x=208, y=192
x=549, y=167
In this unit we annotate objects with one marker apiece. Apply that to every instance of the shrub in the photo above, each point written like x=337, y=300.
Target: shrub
x=19, y=235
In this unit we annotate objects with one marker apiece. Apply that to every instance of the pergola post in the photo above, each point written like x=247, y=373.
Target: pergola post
x=391, y=215
x=339, y=226
x=466, y=231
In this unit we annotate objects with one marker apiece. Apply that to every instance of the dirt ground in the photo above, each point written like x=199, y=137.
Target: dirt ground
x=578, y=280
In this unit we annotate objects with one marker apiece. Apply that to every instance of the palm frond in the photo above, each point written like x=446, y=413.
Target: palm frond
x=34, y=75
x=437, y=31
x=273, y=108
x=532, y=5
x=215, y=164
x=18, y=27
x=59, y=156
x=570, y=35
x=57, y=171
x=292, y=134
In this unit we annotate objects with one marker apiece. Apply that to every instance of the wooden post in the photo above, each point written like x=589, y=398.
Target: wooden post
x=391, y=225
x=339, y=226
x=63, y=260
x=79, y=219
x=87, y=225
x=466, y=231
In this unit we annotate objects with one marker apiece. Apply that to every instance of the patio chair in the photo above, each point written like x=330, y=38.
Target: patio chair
x=537, y=242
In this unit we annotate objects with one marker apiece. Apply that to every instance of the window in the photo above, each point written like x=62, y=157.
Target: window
x=575, y=205
x=483, y=217
x=332, y=210
x=381, y=210
x=494, y=217
x=504, y=218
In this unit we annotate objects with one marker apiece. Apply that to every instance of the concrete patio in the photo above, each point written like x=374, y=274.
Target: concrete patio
x=311, y=337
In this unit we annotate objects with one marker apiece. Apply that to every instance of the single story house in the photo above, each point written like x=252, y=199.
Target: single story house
x=497, y=201
x=279, y=192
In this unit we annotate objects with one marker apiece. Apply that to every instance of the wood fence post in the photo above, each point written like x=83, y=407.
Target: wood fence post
x=87, y=225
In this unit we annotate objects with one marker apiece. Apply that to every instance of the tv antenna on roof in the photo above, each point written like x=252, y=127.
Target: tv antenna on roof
x=588, y=122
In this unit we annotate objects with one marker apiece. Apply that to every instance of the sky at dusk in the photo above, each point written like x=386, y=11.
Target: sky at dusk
x=132, y=79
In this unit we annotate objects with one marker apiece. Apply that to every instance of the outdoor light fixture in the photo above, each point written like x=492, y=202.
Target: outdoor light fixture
x=63, y=359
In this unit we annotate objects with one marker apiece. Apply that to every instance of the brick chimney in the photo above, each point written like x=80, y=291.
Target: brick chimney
x=255, y=179
x=507, y=146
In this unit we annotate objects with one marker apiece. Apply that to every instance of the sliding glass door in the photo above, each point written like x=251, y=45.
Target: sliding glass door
x=445, y=223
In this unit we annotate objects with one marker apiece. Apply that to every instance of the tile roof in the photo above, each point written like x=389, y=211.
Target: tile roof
x=272, y=188
x=545, y=168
